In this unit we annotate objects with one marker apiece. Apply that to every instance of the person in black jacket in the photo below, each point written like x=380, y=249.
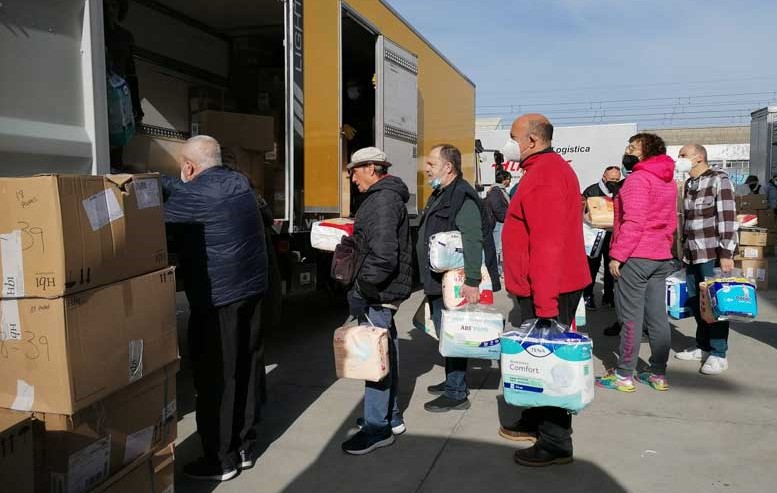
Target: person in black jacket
x=497, y=201
x=213, y=216
x=606, y=187
x=383, y=281
x=453, y=206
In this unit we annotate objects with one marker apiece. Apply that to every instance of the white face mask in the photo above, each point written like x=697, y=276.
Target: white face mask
x=512, y=151
x=683, y=165
x=183, y=177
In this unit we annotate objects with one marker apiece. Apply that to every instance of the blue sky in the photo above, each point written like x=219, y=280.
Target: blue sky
x=654, y=62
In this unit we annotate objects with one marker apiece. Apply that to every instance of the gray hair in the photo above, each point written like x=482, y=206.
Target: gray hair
x=204, y=151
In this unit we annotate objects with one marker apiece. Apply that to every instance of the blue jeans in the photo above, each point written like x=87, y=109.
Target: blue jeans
x=381, y=407
x=709, y=337
x=455, y=368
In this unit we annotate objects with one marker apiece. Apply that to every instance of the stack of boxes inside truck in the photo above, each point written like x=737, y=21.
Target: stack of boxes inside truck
x=88, y=340
x=757, y=243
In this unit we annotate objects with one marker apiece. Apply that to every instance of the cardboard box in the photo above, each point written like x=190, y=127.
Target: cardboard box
x=752, y=237
x=155, y=474
x=600, y=212
x=145, y=153
x=85, y=449
x=253, y=132
x=17, y=452
x=767, y=219
x=757, y=270
x=61, y=355
x=62, y=234
x=752, y=202
x=249, y=162
x=749, y=253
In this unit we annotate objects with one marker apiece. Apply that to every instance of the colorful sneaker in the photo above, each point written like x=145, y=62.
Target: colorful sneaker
x=612, y=381
x=658, y=382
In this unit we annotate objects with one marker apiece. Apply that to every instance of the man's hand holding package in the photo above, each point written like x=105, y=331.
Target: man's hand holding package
x=726, y=265
x=471, y=294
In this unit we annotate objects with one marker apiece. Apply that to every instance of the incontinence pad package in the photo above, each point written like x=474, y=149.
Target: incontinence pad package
x=361, y=353
x=446, y=251
x=677, y=296
x=732, y=298
x=453, y=281
x=593, y=239
x=547, y=366
x=471, y=333
x=325, y=235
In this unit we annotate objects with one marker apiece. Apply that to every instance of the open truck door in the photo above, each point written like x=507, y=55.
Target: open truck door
x=396, y=113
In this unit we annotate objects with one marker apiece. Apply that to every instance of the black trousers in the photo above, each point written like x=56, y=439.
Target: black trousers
x=594, y=264
x=224, y=344
x=553, y=425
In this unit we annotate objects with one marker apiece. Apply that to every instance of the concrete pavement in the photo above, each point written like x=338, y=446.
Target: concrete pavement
x=706, y=434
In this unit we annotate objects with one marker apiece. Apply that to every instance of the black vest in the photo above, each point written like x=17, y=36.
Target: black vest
x=441, y=217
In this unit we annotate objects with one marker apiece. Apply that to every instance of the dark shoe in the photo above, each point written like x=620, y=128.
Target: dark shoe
x=438, y=389
x=207, y=470
x=516, y=434
x=590, y=303
x=361, y=443
x=613, y=330
x=443, y=404
x=537, y=457
x=247, y=460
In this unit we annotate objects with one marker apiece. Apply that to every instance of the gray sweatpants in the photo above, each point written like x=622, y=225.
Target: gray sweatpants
x=640, y=302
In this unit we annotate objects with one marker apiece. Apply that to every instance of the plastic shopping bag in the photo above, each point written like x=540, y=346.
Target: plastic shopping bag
x=452, y=283
x=361, y=352
x=677, y=296
x=446, y=251
x=471, y=333
x=593, y=239
x=543, y=364
x=423, y=319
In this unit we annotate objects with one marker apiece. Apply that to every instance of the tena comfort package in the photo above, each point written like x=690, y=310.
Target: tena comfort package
x=547, y=366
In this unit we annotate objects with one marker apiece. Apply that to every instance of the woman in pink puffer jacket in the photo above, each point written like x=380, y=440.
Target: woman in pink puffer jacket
x=645, y=222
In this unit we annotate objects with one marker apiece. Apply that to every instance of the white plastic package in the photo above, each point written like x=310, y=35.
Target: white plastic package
x=453, y=281
x=446, y=251
x=546, y=365
x=471, y=333
x=593, y=239
x=361, y=352
x=326, y=235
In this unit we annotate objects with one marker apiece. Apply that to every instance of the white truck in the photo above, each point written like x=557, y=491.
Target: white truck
x=589, y=149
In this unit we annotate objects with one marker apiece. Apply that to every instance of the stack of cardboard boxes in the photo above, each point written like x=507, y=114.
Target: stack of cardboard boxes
x=756, y=243
x=88, y=341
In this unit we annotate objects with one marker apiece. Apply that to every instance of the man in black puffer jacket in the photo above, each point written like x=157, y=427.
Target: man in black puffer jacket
x=214, y=219
x=383, y=281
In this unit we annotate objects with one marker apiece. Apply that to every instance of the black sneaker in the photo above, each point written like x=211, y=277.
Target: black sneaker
x=361, y=443
x=590, y=303
x=438, y=389
x=613, y=330
x=537, y=457
x=443, y=404
x=247, y=460
x=207, y=470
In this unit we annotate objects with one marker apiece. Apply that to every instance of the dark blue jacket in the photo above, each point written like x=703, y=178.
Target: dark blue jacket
x=216, y=226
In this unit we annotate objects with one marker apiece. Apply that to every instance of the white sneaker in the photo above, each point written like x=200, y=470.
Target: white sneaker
x=715, y=365
x=692, y=354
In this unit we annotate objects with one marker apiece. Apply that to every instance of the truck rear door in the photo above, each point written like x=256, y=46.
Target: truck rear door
x=396, y=120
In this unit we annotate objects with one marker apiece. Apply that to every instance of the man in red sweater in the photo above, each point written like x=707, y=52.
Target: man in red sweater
x=545, y=268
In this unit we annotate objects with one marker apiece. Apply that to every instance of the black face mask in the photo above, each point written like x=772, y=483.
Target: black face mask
x=753, y=186
x=612, y=186
x=629, y=161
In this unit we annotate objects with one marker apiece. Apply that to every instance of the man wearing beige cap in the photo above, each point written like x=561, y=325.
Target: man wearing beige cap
x=382, y=282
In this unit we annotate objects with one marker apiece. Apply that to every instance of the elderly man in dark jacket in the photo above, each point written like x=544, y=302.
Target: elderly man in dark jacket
x=382, y=283
x=214, y=219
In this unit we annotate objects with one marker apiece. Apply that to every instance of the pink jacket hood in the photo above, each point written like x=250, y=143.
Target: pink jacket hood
x=661, y=166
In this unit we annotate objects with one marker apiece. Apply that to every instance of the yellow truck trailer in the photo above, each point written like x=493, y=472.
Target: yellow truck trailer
x=276, y=81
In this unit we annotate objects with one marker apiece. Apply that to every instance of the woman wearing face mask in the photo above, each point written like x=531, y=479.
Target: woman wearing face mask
x=645, y=222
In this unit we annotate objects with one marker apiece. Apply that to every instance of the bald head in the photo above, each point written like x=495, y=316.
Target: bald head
x=533, y=132
x=693, y=150
x=198, y=154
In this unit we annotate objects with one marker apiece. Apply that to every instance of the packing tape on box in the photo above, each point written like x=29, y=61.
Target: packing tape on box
x=135, y=360
x=25, y=396
x=13, y=264
x=10, y=323
x=102, y=208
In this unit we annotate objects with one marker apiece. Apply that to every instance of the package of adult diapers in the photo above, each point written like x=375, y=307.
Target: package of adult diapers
x=361, y=352
x=547, y=366
x=422, y=320
x=732, y=298
x=446, y=251
x=471, y=333
x=593, y=239
x=326, y=235
x=677, y=296
x=452, y=283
